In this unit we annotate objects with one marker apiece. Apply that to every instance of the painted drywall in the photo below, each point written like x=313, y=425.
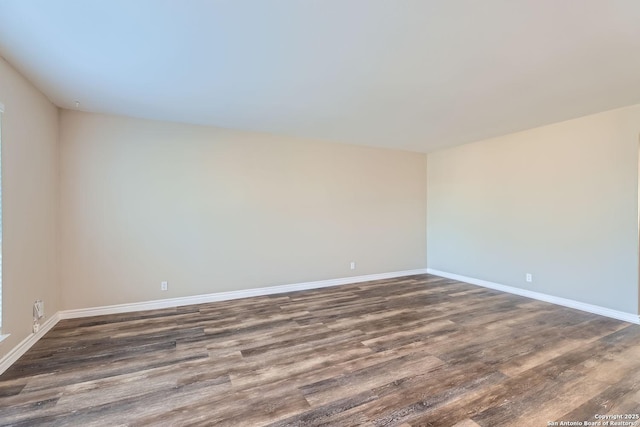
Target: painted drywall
x=30, y=204
x=212, y=210
x=559, y=202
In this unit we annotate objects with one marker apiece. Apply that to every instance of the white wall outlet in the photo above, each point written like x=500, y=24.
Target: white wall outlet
x=528, y=277
x=38, y=309
x=36, y=328
x=353, y=265
x=164, y=286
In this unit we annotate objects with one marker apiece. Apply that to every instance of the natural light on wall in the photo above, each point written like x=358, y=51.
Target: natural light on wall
x=1, y=111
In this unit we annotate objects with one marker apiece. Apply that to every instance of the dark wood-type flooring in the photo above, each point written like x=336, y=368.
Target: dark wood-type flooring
x=412, y=351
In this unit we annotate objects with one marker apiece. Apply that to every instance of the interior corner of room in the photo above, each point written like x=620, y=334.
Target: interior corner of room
x=99, y=209
x=319, y=213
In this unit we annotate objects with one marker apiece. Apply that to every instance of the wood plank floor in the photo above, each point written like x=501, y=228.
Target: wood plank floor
x=412, y=351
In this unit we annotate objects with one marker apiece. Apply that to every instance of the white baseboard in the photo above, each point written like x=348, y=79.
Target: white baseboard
x=28, y=342
x=565, y=302
x=224, y=296
x=15, y=353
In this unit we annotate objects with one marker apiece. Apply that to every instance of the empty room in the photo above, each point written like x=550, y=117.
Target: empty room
x=319, y=213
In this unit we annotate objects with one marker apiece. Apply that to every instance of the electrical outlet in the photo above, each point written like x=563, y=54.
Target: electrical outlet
x=164, y=286
x=529, y=277
x=38, y=309
x=36, y=328
x=353, y=265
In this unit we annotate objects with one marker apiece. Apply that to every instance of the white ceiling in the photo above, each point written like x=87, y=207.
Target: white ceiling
x=409, y=74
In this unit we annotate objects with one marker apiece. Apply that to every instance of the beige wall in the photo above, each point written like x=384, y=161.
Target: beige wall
x=559, y=202
x=30, y=201
x=214, y=210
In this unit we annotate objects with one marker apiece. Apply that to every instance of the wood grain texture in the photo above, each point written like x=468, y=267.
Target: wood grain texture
x=412, y=351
